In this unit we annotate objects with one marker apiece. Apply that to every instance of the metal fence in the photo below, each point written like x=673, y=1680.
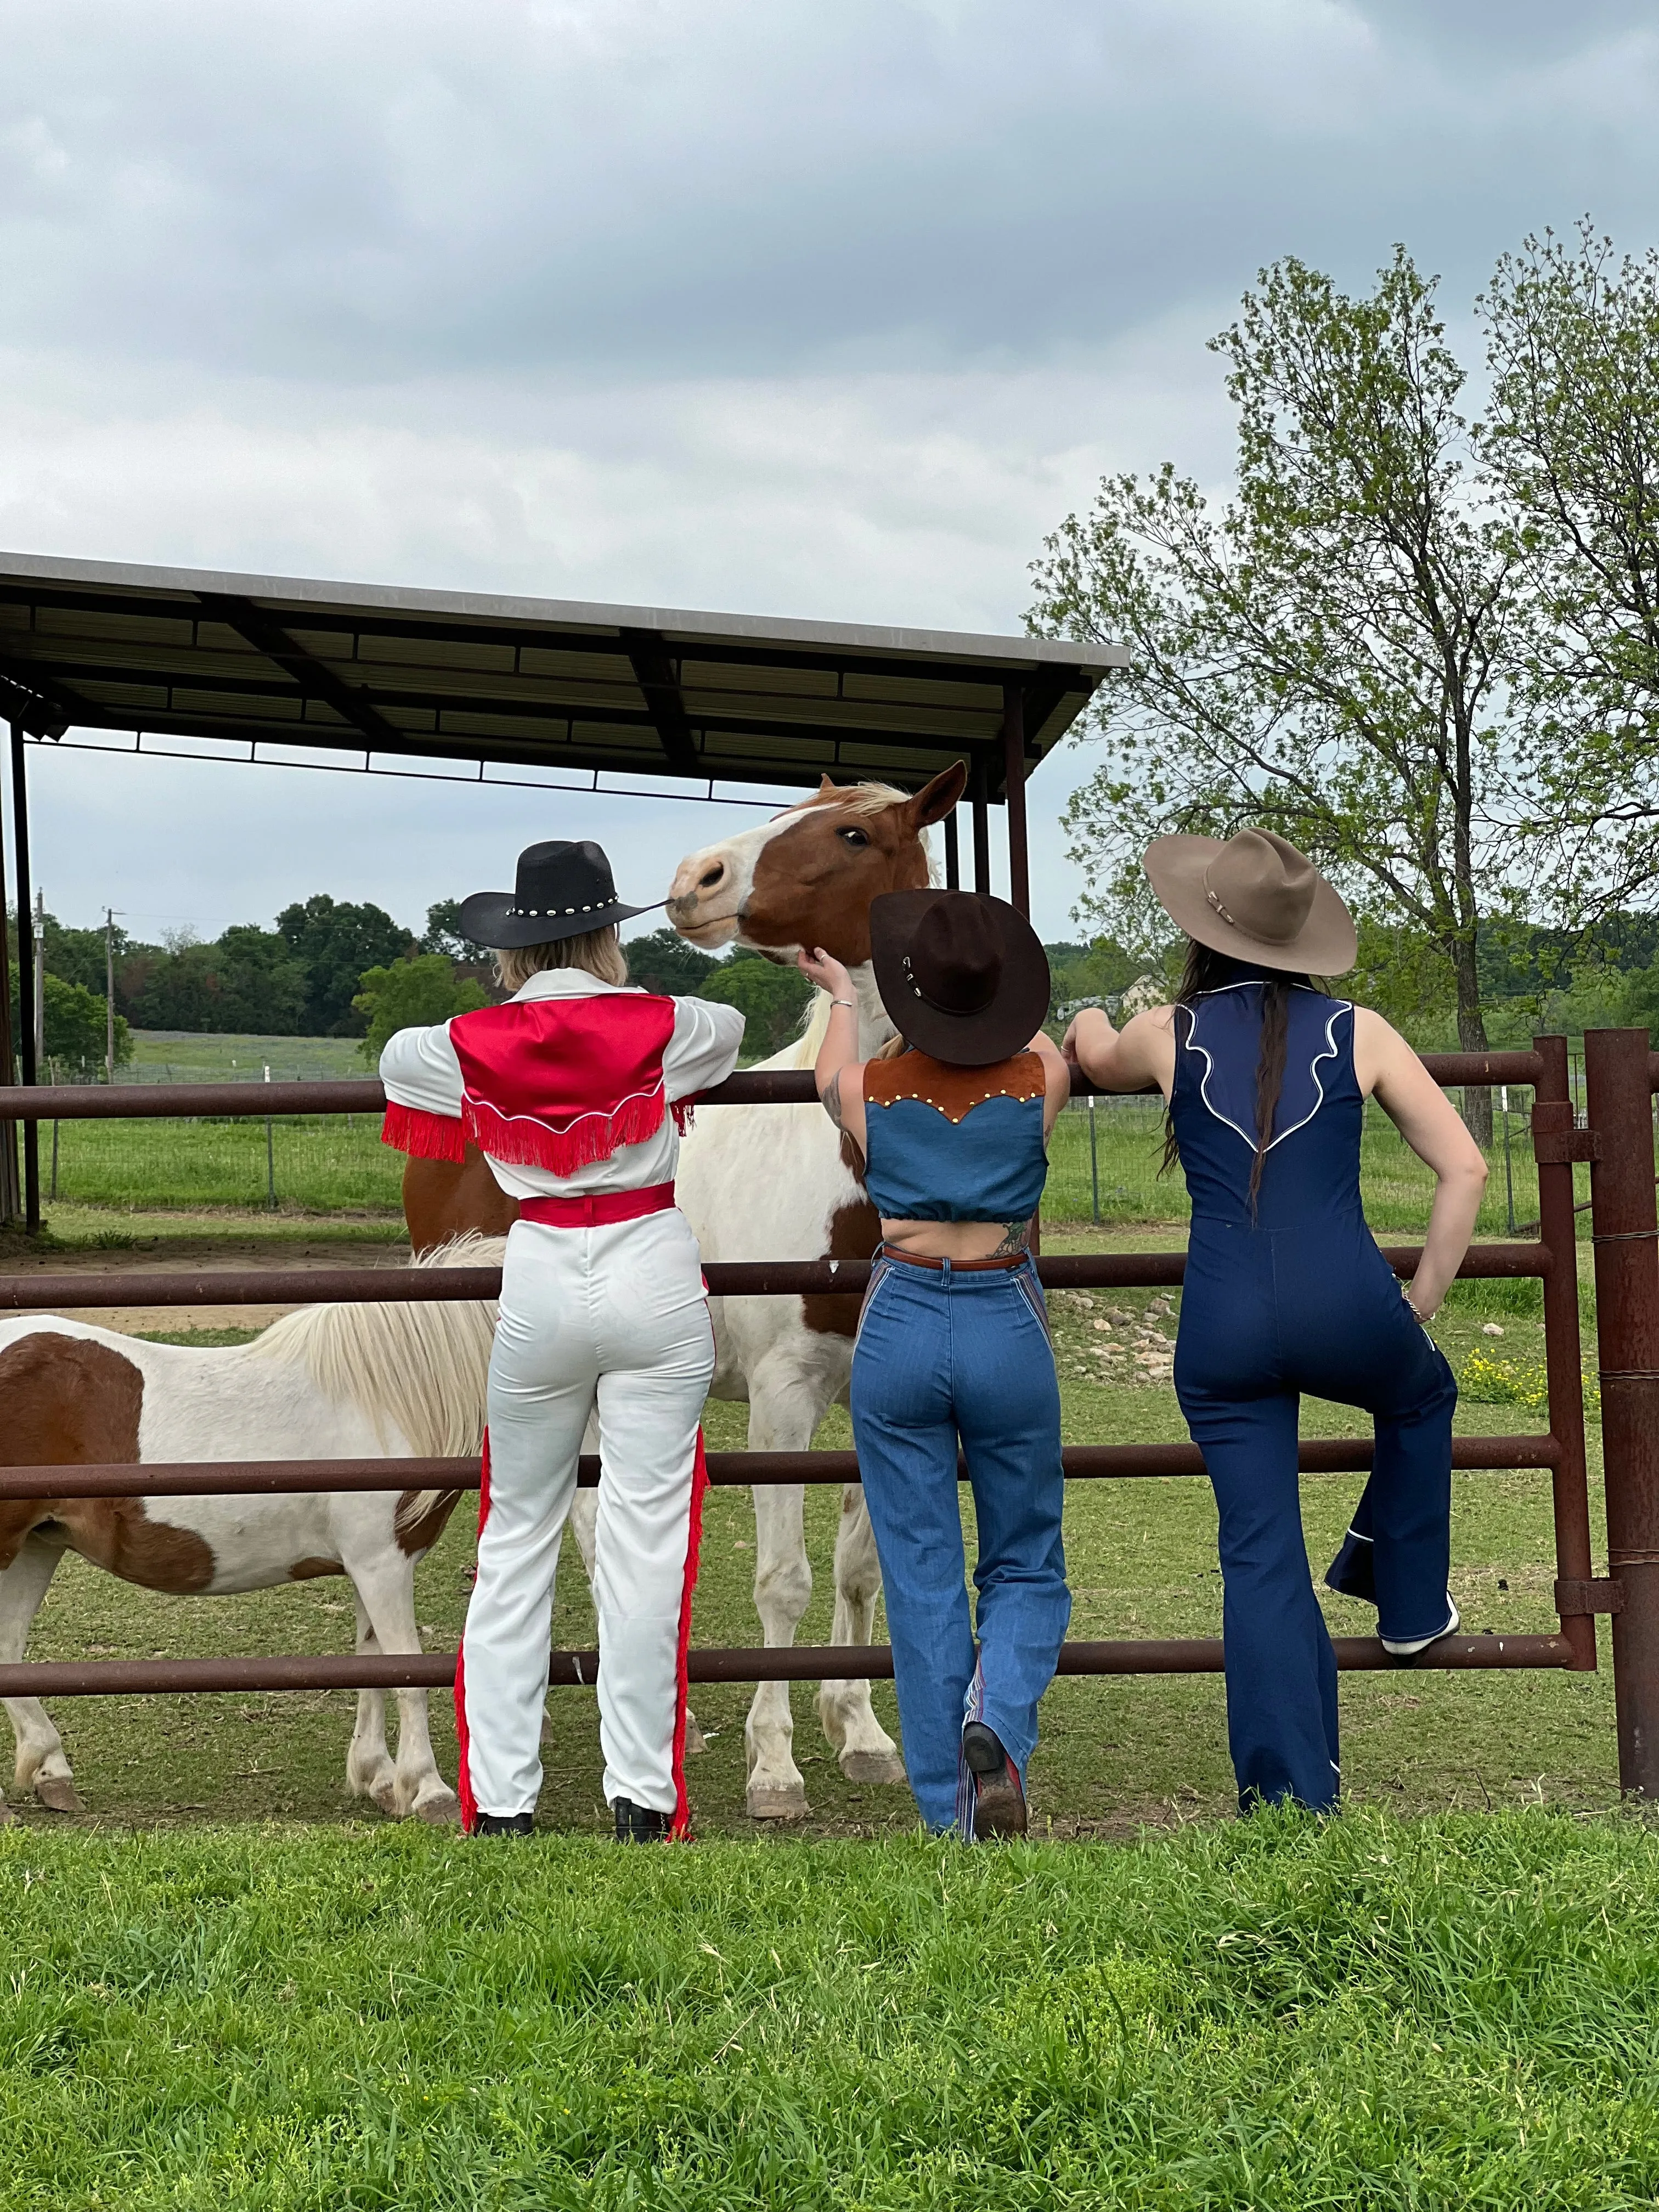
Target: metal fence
x=1618, y=1140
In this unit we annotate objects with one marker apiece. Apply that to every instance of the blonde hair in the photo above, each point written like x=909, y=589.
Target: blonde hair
x=597, y=950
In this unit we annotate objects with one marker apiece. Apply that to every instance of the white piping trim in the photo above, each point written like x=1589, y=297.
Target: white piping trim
x=1342, y=1007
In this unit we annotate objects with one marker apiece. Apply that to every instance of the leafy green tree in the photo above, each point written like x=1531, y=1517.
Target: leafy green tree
x=248, y=980
x=772, y=1000
x=1329, y=655
x=422, y=988
x=337, y=942
x=76, y=1027
x=443, y=933
x=663, y=961
x=1572, y=437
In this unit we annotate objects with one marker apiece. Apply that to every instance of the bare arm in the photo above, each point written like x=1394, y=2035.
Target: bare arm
x=1056, y=1075
x=838, y=1072
x=1389, y=1071
x=1137, y=1057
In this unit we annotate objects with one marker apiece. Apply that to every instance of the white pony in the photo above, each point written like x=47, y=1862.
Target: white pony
x=391, y=1380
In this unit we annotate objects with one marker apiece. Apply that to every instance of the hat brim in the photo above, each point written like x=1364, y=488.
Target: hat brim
x=1326, y=944
x=487, y=918
x=997, y=1031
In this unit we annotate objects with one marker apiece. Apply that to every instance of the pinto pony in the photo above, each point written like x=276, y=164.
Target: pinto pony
x=395, y=1380
x=775, y=1182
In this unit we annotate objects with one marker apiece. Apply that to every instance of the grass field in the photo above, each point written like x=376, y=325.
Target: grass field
x=1280, y=2015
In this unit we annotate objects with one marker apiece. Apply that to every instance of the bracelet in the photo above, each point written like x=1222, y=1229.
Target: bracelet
x=851, y=1004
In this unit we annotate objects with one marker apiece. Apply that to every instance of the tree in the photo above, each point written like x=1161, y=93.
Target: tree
x=336, y=942
x=663, y=961
x=772, y=1000
x=422, y=988
x=443, y=933
x=76, y=1027
x=247, y=981
x=1327, y=656
x=1573, y=437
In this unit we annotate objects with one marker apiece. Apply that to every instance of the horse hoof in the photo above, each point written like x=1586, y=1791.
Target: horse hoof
x=438, y=1808
x=873, y=1767
x=787, y=1804
x=60, y=1794
x=385, y=1795
x=694, y=1742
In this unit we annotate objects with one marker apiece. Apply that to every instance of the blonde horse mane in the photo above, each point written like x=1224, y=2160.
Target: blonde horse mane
x=419, y=1371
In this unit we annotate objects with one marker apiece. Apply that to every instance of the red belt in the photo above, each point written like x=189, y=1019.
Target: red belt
x=596, y=1209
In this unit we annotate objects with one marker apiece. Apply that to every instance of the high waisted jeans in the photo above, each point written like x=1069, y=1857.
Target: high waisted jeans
x=943, y=1354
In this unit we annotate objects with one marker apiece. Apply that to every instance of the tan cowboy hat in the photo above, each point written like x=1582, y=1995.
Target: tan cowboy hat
x=1254, y=897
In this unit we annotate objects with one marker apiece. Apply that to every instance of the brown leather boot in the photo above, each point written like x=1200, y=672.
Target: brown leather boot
x=999, y=1800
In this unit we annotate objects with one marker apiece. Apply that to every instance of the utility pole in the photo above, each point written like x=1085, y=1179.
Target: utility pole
x=109, y=995
x=39, y=979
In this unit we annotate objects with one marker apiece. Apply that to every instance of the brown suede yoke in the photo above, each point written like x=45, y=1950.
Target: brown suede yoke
x=954, y=1090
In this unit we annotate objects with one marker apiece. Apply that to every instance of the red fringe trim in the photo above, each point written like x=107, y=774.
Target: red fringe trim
x=680, y=1831
x=423, y=1136
x=525, y=1142
x=685, y=1112
x=469, y=1803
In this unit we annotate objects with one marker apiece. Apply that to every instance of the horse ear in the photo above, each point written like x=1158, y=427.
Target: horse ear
x=935, y=799
x=828, y=787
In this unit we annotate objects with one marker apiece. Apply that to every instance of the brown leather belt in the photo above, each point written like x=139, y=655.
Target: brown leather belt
x=956, y=1266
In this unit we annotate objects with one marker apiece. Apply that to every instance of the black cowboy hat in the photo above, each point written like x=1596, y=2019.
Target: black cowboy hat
x=562, y=889
x=963, y=976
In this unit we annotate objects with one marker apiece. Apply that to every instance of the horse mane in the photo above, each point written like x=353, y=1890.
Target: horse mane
x=417, y=1370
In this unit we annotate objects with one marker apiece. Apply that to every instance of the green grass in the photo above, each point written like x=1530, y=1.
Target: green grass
x=1280, y=2015
x=174, y=1056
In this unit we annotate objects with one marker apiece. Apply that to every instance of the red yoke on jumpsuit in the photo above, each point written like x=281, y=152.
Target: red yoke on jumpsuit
x=573, y=1091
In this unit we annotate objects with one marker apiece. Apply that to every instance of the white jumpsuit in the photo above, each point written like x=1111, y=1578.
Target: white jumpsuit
x=611, y=1319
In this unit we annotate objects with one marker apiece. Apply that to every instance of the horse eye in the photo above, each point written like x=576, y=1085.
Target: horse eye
x=854, y=836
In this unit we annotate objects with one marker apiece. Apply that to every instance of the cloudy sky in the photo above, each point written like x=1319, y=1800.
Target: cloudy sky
x=762, y=305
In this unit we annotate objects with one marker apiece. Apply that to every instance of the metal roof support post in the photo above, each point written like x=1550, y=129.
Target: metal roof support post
x=9, y=1206
x=1013, y=758
x=982, y=828
x=952, y=854
x=1625, y=1226
x=19, y=821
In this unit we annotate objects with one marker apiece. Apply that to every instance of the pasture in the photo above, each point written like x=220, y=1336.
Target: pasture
x=1278, y=2016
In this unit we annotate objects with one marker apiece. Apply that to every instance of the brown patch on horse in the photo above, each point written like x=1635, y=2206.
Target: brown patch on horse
x=65, y=1402
x=814, y=881
x=855, y=1233
x=306, y=1571
x=421, y=1533
x=443, y=1199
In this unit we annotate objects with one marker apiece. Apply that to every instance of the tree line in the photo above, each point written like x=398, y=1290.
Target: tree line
x=1419, y=642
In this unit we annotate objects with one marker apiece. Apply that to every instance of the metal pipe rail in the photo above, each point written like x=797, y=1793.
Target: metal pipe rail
x=1196, y=1655
x=755, y=1086
x=728, y=1470
x=240, y=1286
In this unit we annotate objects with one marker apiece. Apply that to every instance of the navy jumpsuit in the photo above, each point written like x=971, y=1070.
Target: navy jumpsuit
x=1297, y=1298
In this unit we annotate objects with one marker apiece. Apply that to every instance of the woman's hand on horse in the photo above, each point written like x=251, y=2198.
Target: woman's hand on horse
x=822, y=969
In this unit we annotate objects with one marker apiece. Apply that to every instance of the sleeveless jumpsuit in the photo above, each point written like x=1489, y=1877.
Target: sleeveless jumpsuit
x=953, y=1352
x=1297, y=1298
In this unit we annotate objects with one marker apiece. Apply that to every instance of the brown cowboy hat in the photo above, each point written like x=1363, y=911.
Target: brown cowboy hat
x=1254, y=897
x=963, y=976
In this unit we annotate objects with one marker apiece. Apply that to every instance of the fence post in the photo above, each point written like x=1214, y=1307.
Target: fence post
x=1094, y=1164
x=1554, y=1142
x=271, y=1161
x=1625, y=1224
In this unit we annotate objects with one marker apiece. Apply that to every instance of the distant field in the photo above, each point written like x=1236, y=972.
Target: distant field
x=177, y=1056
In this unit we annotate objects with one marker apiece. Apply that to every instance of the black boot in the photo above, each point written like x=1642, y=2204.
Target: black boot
x=641, y=1824
x=999, y=1800
x=505, y=1824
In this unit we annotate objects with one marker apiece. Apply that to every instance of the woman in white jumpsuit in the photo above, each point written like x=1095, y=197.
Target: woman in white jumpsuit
x=573, y=1090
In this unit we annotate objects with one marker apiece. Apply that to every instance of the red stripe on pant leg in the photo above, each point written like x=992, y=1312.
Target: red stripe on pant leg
x=682, y=1825
x=469, y=1803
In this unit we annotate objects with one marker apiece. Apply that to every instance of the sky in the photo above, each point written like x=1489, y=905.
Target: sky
x=761, y=306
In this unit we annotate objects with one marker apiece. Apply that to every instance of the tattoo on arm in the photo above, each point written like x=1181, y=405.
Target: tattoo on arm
x=832, y=1098
x=1016, y=1236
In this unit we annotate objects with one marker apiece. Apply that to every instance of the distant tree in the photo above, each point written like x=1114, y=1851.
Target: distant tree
x=443, y=933
x=663, y=961
x=77, y=1031
x=77, y=954
x=248, y=981
x=422, y=988
x=773, y=1000
x=336, y=943
x=1330, y=654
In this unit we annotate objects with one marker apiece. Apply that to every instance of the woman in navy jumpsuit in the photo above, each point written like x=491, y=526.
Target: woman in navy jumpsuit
x=1285, y=1290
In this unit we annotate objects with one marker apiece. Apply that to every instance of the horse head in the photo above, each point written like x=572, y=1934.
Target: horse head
x=808, y=877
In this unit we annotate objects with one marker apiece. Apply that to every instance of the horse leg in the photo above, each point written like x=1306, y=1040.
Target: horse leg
x=783, y=1586
x=866, y=1751
x=41, y=1763
x=368, y=1763
x=385, y=1589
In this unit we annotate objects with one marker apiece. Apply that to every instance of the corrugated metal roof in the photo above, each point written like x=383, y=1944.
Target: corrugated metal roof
x=547, y=683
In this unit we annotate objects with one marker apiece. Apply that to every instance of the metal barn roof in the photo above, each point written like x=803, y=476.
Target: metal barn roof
x=550, y=683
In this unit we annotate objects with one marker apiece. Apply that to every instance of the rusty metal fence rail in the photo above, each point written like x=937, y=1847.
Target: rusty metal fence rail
x=1617, y=1076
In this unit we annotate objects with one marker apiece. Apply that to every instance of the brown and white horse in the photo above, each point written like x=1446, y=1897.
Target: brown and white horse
x=766, y=1182
x=394, y=1380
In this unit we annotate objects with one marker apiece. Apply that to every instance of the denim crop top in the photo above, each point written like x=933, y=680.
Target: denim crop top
x=954, y=1144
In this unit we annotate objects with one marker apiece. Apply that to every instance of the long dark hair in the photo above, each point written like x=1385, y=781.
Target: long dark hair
x=1206, y=970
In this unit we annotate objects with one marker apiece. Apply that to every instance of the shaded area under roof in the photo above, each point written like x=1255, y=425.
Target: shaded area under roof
x=549, y=684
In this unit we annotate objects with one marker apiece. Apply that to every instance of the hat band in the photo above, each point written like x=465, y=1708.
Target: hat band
x=551, y=913
x=956, y=1013
x=1244, y=929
